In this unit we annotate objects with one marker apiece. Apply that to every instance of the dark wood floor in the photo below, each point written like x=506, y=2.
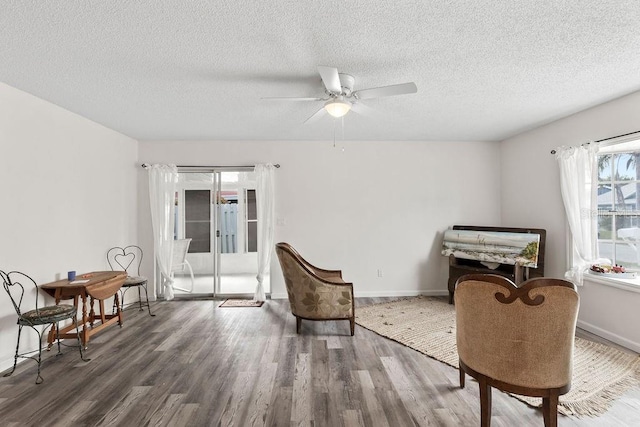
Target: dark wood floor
x=195, y=364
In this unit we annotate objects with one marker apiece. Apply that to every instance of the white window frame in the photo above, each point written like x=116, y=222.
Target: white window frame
x=613, y=211
x=618, y=146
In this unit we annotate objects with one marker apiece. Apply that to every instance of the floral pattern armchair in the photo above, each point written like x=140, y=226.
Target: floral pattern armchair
x=315, y=293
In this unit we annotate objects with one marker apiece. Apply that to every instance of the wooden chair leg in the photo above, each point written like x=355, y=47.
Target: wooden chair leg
x=298, y=324
x=550, y=410
x=485, y=403
x=462, y=376
x=352, y=324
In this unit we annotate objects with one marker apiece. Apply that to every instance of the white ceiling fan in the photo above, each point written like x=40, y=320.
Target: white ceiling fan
x=341, y=98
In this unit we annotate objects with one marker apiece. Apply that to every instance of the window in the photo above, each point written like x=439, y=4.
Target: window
x=233, y=214
x=618, y=199
x=252, y=221
x=197, y=222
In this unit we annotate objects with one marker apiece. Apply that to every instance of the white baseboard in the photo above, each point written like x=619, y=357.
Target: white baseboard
x=632, y=345
x=379, y=294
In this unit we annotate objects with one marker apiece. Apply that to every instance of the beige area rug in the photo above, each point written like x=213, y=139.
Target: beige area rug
x=600, y=373
x=241, y=303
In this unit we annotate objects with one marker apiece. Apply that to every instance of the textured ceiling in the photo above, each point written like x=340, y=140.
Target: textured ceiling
x=175, y=69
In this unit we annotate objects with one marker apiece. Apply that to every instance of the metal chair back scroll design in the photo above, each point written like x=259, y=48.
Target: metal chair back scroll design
x=16, y=284
x=129, y=259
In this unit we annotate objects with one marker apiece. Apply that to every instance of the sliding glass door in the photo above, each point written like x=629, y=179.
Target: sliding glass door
x=217, y=211
x=196, y=220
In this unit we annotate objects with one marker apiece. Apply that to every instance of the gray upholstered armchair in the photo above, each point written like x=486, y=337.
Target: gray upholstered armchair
x=315, y=293
x=519, y=340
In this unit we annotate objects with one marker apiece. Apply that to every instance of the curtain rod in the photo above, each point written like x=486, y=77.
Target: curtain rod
x=607, y=139
x=277, y=165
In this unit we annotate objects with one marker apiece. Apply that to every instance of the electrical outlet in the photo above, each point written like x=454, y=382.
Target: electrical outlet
x=379, y=272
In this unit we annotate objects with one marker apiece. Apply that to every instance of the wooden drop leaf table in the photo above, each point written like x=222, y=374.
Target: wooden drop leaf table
x=98, y=285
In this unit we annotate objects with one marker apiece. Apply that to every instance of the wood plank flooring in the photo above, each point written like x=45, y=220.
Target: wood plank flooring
x=195, y=364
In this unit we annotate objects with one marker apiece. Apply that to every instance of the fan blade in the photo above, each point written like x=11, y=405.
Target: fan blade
x=284, y=98
x=392, y=90
x=363, y=110
x=316, y=116
x=331, y=79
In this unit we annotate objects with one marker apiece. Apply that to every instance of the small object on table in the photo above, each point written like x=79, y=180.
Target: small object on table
x=71, y=276
x=609, y=270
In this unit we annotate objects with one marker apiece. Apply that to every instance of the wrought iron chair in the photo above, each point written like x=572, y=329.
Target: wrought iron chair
x=179, y=260
x=14, y=283
x=129, y=259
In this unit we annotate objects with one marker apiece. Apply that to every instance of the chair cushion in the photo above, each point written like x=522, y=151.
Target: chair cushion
x=134, y=281
x=49, y=314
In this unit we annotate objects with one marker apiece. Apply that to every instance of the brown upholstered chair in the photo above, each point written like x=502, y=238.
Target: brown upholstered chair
x=518, y=340
x=315, y=293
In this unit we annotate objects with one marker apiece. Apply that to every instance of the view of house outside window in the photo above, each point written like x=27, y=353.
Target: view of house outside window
x=619, y=208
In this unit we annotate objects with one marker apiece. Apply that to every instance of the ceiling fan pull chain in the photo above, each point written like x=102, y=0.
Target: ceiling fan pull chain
x=334, y=133
x=342, y=120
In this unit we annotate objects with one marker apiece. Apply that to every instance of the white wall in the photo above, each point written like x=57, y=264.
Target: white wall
x=531, y=198
x=67, y=196
x=375, y=205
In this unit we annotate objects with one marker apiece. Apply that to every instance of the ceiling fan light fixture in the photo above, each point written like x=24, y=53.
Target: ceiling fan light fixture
x=337, y=107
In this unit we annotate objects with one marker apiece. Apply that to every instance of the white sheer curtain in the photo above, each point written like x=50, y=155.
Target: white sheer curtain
x=266, y=213
x=162, y=190
x=578, y=185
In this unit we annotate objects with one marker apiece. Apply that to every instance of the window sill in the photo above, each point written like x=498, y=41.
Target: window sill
x=631, y=285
